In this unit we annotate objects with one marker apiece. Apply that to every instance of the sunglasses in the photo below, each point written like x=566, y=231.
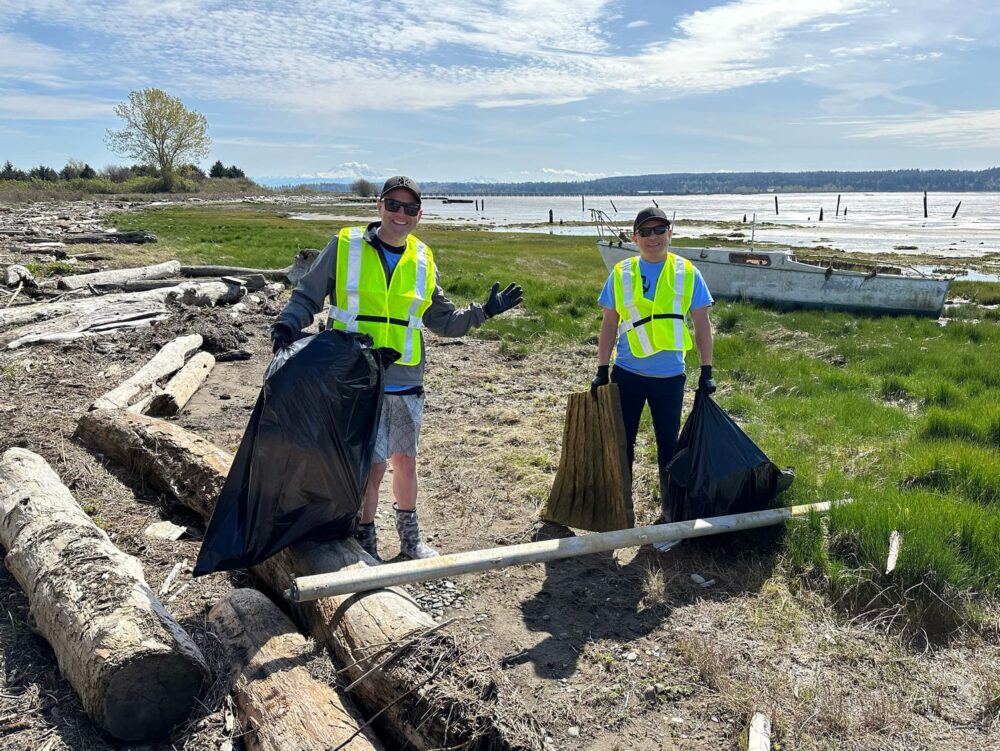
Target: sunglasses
x=392, y=206
x=659, y=229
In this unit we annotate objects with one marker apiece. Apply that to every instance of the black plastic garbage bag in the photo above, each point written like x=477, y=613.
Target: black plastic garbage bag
x=717, y=469
x=302, y=466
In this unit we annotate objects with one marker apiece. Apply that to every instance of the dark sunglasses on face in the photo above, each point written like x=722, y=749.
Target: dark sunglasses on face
x=392, y=206
x=659, y=229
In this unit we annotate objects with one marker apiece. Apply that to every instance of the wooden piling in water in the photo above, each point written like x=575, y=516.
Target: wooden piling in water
x=821, y=213
x=838, y=205
x=550, y=216
x=925, y=204
x=955, y=212
x=775, y=204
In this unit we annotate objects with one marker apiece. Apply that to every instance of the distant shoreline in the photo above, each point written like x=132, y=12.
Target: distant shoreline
x=708, y=183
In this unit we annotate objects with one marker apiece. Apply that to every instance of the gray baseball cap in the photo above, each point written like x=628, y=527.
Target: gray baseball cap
x=400, y=181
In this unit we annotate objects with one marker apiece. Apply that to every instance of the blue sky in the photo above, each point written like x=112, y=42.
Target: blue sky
x=516, y=90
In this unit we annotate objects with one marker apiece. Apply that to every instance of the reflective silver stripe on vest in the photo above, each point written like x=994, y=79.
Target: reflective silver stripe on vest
x=415, y=322
x=629, y=277
x=680, y=278
x=349, y=316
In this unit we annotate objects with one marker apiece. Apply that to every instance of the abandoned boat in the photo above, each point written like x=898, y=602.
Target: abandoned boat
x=776, y=277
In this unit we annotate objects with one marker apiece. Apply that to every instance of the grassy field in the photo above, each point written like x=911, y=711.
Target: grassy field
x=901, y=415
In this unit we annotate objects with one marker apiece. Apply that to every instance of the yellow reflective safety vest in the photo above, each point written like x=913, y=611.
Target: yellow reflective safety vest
x=652, y=326
x=391, y=313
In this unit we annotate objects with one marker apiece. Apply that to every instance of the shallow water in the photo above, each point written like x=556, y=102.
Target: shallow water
x=874, y=222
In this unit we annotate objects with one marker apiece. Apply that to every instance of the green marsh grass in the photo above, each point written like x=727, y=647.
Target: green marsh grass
x=899, y=414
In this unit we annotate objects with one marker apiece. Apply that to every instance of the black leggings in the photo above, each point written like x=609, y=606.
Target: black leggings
x=666, y=399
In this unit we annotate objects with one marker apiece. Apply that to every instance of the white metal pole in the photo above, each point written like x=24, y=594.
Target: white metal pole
x=306, y=588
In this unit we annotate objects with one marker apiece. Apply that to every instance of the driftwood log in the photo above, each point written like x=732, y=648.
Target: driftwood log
x=293, y=273
x=129, y=237
x=189, y=293
x=117, y=277
x=168, y=360
x=431, y=694
x=93, y=322
x=251, y=281
x=179, y=389
x=135, y=669
x=281, y=705
x=177, y=461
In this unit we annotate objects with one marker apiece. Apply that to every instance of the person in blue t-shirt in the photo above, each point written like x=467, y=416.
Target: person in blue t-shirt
x=647, y=302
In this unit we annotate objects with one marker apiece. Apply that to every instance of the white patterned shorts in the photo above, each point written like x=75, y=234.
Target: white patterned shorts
x=399, y=426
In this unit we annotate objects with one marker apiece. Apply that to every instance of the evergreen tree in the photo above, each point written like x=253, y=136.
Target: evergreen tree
x=218, y=169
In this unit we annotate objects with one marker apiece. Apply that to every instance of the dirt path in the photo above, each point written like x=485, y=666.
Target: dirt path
x=618, y=651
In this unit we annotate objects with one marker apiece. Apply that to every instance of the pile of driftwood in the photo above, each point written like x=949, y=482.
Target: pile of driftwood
x=96, y=301
x=136, y=670
x=45, y=229
x=103, y=301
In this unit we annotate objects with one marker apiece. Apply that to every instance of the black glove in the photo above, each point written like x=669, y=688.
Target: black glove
x=705, y=382
x=281, y=336
x=601, y=379
x=499, y=302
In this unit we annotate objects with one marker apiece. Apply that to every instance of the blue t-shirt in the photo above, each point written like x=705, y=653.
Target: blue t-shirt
x=666, y=363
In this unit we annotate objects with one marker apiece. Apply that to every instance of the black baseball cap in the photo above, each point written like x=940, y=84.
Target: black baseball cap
x=650, y=212
x=400, y=181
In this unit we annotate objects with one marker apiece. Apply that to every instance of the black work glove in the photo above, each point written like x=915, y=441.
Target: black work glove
x=281, y=336
x=500, y=302
x=705, y=382
x=601, y=379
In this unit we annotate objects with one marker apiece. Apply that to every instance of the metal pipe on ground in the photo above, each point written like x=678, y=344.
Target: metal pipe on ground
x=306, y=588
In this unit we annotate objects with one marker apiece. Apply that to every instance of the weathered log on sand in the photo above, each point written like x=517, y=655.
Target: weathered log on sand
x=129, y=237
x=432, y=693
x=293, y=273
x=135, y=669
x=250, y=281
x=16, y=274
x=175, y=460
x=127, y=314
x=238, y=271
x=203, y=294
x=281, y=705
x=168, y=360
x=206, y=294
x=120, y=276
x=182, y=386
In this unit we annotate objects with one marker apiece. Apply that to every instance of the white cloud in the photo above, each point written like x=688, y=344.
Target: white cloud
x=950, y=130
x=297, y=55
x=15, y=105
x=636, y=24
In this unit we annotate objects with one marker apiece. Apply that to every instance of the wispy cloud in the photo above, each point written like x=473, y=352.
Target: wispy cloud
x=295, y=55
x=15, y=105
x=636, y=24
x=949, y=130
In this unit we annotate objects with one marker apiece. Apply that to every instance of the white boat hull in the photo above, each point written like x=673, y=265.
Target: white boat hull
x=776, y=278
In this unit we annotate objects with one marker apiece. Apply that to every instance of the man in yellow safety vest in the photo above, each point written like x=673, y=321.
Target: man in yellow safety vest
x=647, y=302
x=382, y=281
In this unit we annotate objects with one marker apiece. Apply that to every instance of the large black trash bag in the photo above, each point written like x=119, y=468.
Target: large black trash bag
x=717, y=469
x=302, y=466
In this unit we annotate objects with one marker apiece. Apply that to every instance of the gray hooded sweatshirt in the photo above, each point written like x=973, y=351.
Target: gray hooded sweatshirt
x=319, y=283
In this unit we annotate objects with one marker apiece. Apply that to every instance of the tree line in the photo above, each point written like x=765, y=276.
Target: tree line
x=902, y=180
x=76, y=170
